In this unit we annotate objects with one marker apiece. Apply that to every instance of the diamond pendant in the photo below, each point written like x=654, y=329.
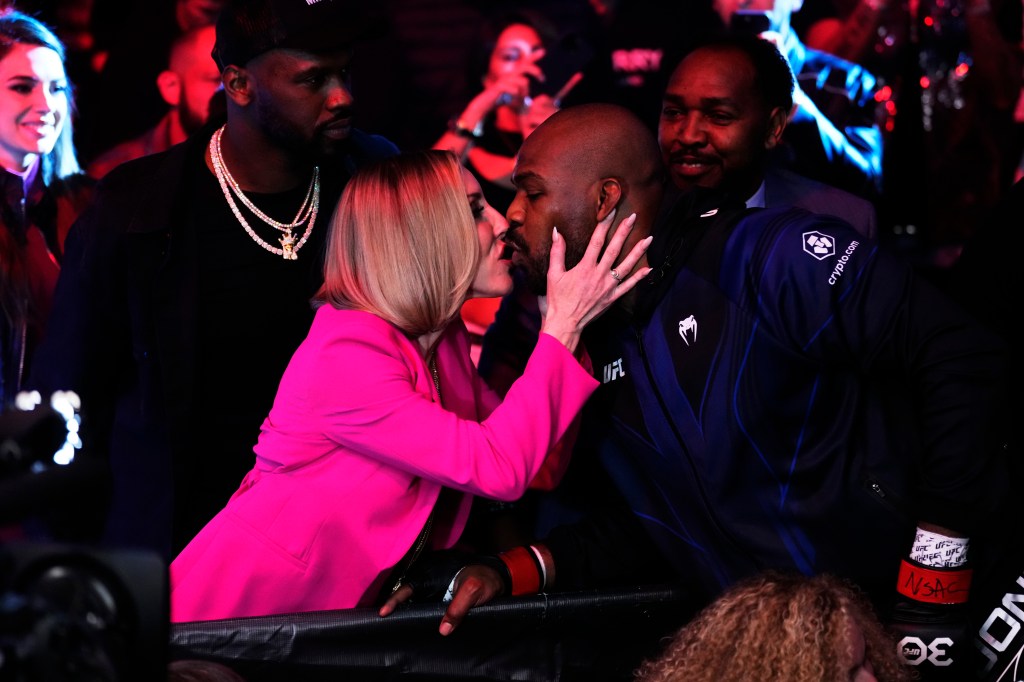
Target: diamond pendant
x=288, y=247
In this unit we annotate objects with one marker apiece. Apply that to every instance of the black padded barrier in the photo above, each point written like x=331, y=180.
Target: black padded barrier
x=594, y=636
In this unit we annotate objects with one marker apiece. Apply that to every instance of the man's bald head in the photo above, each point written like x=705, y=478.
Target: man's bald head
x=578, y=166
x=599, y=140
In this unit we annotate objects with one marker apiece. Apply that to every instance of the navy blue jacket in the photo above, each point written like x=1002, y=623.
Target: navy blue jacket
x=788, y=395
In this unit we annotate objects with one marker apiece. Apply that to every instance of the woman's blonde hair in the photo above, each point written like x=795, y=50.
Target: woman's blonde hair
x=778, y=627
x=403, y=242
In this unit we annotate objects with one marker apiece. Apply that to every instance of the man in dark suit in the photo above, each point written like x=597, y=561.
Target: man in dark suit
x=724, y=112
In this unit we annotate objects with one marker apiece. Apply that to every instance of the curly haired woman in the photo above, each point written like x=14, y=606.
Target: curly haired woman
x=778, y=626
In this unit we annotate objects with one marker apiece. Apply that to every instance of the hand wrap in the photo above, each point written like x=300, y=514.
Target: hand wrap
x=929, y=617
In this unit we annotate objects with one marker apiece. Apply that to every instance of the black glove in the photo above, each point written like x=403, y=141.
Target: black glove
x=431, y=573
x=930, y=620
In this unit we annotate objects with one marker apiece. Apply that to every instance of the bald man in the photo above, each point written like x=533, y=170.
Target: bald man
x=780, y=393
x=187, y=85
x=636, y=183
x=579, y=186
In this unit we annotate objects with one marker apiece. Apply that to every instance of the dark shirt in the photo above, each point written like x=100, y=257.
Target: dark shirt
x=253, y=313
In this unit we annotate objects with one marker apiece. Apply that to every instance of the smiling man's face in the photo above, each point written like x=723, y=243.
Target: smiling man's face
x=714, y=129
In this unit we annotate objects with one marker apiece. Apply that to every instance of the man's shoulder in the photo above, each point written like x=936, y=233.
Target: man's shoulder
x=809, y=189
x=116, y=155
x=154, y=140
x=139, y=171
x=828, y=72
x=783, y=187
x=815, y=60
x=370, y=146
x=140, y=194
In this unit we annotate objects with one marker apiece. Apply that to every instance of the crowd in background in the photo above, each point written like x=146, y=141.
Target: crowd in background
x=945, y=100
x=901, y=119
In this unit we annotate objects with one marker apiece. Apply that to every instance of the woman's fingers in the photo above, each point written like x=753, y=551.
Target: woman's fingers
x=598, y=237
x=614, y=243
x=604, y=249
x=531, y=67
x=577, y=296
x=635, y=255
x=626, y=272
x=556, y=257
x=514, y=84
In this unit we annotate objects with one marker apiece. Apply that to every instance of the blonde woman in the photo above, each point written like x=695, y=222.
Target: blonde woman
x=381, y=431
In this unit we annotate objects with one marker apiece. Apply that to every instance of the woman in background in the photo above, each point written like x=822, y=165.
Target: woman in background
x=381, y=431
x=43, y=189
x=488, y=132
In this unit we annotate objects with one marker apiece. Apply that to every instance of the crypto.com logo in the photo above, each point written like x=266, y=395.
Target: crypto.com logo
x=819, y=245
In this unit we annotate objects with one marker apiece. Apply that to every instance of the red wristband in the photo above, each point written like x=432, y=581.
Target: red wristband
x=522, y=566
x=934, y=585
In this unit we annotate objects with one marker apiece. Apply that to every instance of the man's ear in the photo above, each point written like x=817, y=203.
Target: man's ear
x=611, y=195
x=237, y=85
x=169, y=85
x=777, y=121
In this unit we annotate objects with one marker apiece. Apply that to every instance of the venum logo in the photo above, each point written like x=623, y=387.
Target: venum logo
x=818, y=245
x=613, y=371
x=688, y=330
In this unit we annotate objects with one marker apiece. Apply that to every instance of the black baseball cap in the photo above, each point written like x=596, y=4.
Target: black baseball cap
x=249, y=28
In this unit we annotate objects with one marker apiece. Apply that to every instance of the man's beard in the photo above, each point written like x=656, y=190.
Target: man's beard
x=536, y=276
x=535, y=265
x=191, y=121
x=311, y=146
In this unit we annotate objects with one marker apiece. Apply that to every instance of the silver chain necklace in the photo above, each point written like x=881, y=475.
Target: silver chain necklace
x=307, y=211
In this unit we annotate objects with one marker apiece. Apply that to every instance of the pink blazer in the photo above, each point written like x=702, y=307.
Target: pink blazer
x=353, y=457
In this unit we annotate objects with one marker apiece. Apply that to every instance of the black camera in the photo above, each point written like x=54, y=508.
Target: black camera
x=69, y=612
x=77, y=614
x=35, y=435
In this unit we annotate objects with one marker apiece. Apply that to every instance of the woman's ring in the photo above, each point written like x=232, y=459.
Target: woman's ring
x=615, y=276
